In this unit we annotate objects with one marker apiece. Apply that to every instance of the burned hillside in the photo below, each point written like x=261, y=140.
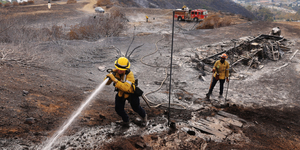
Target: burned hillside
x=45, y=82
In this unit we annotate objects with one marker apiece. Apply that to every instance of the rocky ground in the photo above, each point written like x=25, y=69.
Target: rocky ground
x=39, y=94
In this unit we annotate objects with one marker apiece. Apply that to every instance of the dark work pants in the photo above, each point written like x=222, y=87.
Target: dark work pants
x=135, y=105
x=214, y=82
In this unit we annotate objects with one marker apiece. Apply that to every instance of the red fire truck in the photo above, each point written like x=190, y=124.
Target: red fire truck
x=190, y=15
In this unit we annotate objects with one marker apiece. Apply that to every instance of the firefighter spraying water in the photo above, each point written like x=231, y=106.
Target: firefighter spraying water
x=127, y=89
x=73, y=117
x=126, y=86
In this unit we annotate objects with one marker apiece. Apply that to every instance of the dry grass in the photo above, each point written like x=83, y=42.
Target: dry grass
x=98, y=26
x=103, y=2
x=78, y=32
x=117, y=13
x=144, y=33
x=293, y=24
x=226, y=21
x=15, y=3
x=73, y=32
x=15, y=29
x=215, y=21
x=23, y=3
x=210, y=22
x=30, y=2
x=56, y=32
x=7, y=4
x=19, y=39
x=71, y=1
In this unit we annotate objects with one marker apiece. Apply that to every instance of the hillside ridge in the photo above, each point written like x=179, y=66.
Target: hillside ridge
x=212, y=5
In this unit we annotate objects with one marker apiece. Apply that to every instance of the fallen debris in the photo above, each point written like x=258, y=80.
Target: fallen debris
x=205, y=128
x=293, y=54
x=225, y=114
x=246, y=51
x=276, y=31
x=286, y=64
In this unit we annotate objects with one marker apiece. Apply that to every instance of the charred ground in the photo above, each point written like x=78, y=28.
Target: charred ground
x=50, y=92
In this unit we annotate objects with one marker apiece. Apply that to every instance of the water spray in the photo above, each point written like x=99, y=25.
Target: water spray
x=74, y=115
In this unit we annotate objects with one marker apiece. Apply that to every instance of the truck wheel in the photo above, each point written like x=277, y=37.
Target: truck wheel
x=196, y=19
x=179, y=18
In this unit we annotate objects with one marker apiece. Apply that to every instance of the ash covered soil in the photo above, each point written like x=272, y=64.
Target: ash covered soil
x=39, y=93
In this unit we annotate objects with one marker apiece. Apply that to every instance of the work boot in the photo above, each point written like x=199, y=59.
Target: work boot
x=208, y=95
x=122, y=123
x=125, y=124
x=145, y=121
x=221, y=96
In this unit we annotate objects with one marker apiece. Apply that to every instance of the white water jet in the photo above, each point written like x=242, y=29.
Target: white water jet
x=74, y=115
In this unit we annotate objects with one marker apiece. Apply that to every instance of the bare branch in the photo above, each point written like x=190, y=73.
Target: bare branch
x=286, y=64
x=131, y=42
x=5, y=52
x=134, y=50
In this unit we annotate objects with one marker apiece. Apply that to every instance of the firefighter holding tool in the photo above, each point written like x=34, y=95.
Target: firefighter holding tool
x=220, y=73
x=124, y=83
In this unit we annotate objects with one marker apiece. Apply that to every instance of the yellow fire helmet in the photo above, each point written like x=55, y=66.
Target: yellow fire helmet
x=122, y=63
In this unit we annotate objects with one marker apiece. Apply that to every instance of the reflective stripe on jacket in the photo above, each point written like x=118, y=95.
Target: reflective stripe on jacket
x=124, y=84
x=222, y=69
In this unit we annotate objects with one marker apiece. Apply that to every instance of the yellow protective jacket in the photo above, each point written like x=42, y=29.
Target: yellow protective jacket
x=222, y=69
x=124, y=85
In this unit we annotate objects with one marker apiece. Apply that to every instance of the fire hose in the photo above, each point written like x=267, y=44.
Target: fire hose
x=144, y=95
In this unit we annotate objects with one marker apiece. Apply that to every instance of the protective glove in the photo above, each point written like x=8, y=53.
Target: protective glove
x=227, y=79
x=213, y=70
x=114, y=70
x=112, y=77
x=217, y=76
